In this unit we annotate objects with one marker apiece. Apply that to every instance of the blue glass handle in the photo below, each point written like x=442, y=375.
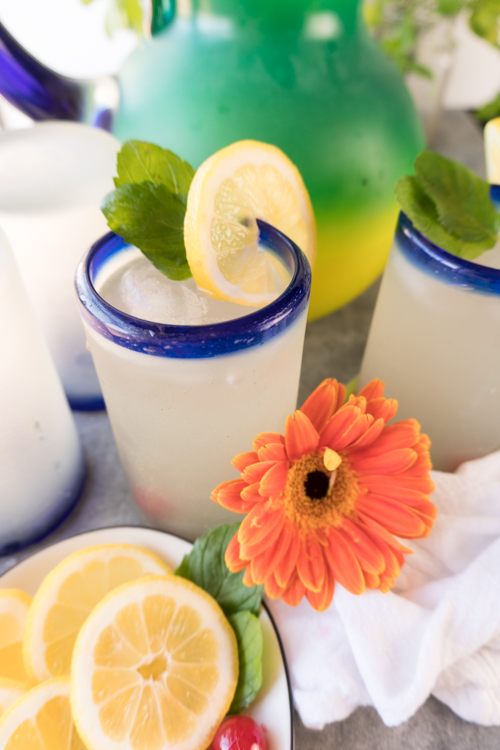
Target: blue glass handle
x=43, y=94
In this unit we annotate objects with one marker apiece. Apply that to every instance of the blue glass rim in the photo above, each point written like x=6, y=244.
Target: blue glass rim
x=443, y=265
x=194, y=342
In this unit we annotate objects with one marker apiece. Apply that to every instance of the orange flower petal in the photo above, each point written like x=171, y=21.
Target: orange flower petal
x=273, y=589
x=395, y=517
x=311, y=563
x=343, y=563
x=338, y=425
x=300, y=436
x=243, y=460
x=373, y=389
x=424, y=485
x=376, y=528
x=255, y=472
x=286, y=565
x=385, y=487
x=340, y=396
x=360, y=425
x=264, y=438
x=322, y=599
x=248, y=578
x=393, y=560
x=372, y=581
x=273, y=452
x=274, y=481
x=261, y=526
x=294, y=592
x=382, y=408
x=369, y=436
x=232, y=556
x=391, y=462
x=251, y=495
x=321, y=404
x=369, y=556
x=393, y=437
x=228, y=494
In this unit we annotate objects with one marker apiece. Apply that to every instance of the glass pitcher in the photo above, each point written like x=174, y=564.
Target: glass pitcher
x=302, y=74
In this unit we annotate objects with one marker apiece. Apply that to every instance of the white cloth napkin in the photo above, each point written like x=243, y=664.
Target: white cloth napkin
x=437, y=632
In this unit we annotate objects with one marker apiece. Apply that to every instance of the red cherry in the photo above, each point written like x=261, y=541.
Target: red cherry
x=239, y=733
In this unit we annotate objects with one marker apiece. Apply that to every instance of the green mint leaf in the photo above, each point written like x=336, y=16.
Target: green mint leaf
x=248, y=633
x=151, y=217
x=205, y=566
x=461, y=198
x=450, y=206
x=139, y=161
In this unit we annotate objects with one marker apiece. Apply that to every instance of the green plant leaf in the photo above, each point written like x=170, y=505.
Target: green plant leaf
x=151, y=217
x=205, y=566
x=490, y=110
x=139, y=161
x=484, y=19
x=461, y=198
x=248, y=633
x=422, y=212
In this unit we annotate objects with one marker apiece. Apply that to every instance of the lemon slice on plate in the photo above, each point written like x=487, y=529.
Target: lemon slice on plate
x=14, y=607
x=10, y=692
x=239, y=184
x=155, y=666
x=41, y=720
x=67, y=596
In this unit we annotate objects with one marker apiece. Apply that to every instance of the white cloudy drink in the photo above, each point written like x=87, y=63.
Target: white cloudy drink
x=186, y=393
x=435, y=341
x=40, y=455
x=53, y=177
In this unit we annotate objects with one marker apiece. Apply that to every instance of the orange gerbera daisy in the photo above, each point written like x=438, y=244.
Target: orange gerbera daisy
x=325, y=500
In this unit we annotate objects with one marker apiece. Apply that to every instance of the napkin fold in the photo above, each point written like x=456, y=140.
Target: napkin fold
x=437, y=632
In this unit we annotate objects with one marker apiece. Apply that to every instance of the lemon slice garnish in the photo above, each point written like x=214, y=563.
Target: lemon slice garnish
x=236, y=186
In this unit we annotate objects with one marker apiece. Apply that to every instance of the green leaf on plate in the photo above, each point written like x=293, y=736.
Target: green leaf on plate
x=248, y=633
x=151, y=217
x=205, y=566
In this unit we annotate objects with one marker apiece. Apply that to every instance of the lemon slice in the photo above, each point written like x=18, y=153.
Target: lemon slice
x=67, y=596
x=492, y=150
x=14, y=607
x=10, y=692
x=239, y=184
x=155, y=666
x=41, y=720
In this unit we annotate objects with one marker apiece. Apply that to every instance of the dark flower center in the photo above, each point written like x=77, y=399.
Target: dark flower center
x=316, y=484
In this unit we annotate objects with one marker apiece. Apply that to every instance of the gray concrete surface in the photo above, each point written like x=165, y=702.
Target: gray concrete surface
x=333, y=347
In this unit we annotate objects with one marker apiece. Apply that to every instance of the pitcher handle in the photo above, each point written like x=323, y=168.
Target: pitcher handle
x=43, y=94
x=163, y=13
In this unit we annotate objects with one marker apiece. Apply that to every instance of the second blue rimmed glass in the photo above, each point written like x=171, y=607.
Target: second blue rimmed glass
x=435, y=341
x=184, y=400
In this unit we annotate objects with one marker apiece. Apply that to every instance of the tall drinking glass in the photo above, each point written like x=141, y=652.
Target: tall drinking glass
x=435, y=341
x=42, y=469
x=184, y=400
x=52, y=179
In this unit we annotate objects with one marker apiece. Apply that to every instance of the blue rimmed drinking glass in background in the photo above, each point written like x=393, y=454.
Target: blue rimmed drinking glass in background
x=435, y=341
x=52, y=179
x=183, y=400
x=42, y=466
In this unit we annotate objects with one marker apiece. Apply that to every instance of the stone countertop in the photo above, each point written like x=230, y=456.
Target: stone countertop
x=333, y=348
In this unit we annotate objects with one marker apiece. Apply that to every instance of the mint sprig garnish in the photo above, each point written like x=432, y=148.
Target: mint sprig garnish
x=449, y=205
x=148, y=206
x=205, y=566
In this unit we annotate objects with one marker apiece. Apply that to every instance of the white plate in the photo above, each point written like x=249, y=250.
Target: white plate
x=273, y=706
